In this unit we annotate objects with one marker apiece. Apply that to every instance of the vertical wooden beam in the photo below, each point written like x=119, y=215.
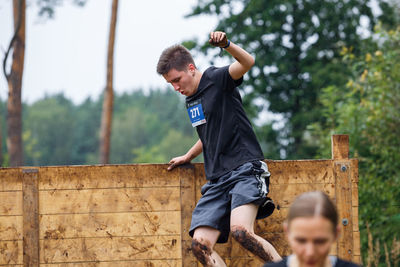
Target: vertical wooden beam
x=343, y=183
x=187, y=176
x=340, y=146
x=30, y=206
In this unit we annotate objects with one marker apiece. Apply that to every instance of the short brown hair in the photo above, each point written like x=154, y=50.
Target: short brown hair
x=312, y=204
x=174, y=57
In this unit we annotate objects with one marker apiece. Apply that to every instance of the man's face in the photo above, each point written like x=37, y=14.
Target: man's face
x=182, y=81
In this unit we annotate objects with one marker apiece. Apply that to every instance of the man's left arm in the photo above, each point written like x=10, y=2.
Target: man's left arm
x=244, y=61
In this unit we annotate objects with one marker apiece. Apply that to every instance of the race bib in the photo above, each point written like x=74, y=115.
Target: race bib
x=196, y=114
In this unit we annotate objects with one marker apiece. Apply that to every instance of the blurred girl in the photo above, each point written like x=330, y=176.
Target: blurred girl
x=312, y=228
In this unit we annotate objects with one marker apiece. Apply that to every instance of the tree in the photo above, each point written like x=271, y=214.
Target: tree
x=106, y=119
x=14, y=80
x=368, y=109
x=14, y=77
x=296, y=44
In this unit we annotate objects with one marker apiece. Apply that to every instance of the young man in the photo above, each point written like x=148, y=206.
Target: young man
x=237, y=178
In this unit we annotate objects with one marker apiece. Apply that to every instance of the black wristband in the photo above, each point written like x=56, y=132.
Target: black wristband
x=228, y=44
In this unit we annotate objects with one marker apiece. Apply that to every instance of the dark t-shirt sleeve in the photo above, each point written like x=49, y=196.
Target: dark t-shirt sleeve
x=225, y=81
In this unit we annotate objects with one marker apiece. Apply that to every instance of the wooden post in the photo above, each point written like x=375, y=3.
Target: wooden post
x=30, y=206
x=340, y=146
x=342, y=173
x=188, y=202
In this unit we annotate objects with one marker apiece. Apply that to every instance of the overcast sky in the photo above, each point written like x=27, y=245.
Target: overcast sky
x=68, y=54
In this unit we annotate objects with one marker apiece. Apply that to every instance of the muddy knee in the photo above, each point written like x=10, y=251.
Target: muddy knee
x=240, y=234
x=248, y=241
x=202, y=251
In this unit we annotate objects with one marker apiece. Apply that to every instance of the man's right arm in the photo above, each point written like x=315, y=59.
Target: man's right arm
x=191, y=154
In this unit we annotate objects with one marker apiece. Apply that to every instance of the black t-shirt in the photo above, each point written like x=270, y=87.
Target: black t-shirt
x=221, y=123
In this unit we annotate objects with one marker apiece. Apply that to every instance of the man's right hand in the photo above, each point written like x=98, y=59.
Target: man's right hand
x=178, y=161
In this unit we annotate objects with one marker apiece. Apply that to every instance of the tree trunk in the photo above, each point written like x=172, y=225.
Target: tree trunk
x=14, y=79
x=106, y=118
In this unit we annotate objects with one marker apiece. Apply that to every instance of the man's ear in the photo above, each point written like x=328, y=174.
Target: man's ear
x=191, y=67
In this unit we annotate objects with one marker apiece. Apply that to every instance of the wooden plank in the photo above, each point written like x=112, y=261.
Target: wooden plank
x=30, y=206
x=354, y=173
x=300, y=171
x=354, y=194
x=11, y=228
x=108, y=176
x=109, y=249
x=340, y=146
x=188, y=202
x=109, y=200
x=109, y=224
x=292, y=171
x=283, y=195
x=10, y=252
x=273, y=223
x=137, y=263
x=10, y=179
x=344, y=205
x=357, y=259
x=355, y=219
x=11, y=203
x=356, y=244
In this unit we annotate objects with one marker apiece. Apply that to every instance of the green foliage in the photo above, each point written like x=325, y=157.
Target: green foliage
x=296, y=44
x=174, y=143
x=149, y=128
x=368, y=109
x=49, y=128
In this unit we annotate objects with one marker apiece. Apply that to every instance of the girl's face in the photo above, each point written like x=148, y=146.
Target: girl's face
x=311, y=239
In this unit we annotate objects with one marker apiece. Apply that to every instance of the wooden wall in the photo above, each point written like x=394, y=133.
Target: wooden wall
x=139, y=215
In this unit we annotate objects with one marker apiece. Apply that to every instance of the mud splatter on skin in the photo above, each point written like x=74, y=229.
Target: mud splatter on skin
x=202, y=252
x=249, y=242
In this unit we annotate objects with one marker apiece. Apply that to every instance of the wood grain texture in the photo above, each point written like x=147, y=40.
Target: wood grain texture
x=109, y=249
x=300, y=171
x=356, y=244
x=30, y=205
x=109, y=224
x=109, y=200
x=10, y=179
x=340, y=146
x=11, y=203
x=136, y=263
x=188, y=202
x=11, y=228
x=10, y=252
x=344, y=206
x=107, y=176
x=283, y=195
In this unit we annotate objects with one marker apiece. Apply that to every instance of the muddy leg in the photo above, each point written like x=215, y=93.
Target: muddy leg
x=251, y=243
x=204, y=239
x=242, y=228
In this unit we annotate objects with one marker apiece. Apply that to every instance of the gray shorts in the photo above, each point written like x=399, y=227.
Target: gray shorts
x=249, y=183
